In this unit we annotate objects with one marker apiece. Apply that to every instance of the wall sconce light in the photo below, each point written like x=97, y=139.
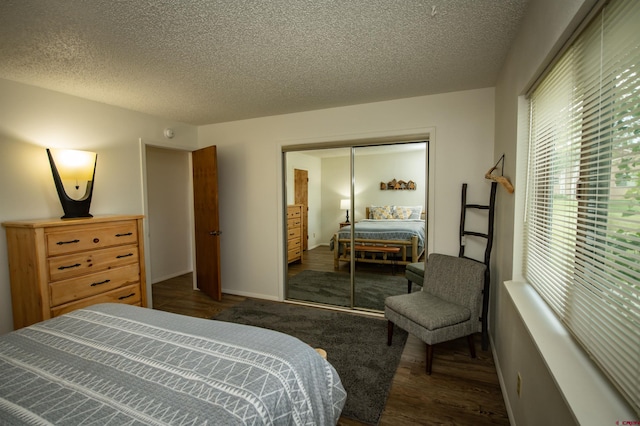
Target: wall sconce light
x=75, y=167
x=345, y=204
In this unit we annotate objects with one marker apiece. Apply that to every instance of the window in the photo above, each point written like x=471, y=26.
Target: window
x=582, y=223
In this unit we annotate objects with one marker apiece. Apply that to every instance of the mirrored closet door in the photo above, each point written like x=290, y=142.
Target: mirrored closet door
x=355, y=218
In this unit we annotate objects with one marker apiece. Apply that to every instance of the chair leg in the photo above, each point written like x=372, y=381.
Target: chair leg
x=389, y=332
x=408, y=286
x=472, y=346
x=429, y=358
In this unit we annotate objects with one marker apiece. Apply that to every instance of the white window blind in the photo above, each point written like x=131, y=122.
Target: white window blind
x=582, y=224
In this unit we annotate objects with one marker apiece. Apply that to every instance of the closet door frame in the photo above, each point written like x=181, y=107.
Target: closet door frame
x=427, y=136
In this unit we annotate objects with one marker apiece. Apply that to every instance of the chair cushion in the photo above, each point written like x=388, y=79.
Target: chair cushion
x=414, y=272
x=416, y=268
x=427, y=310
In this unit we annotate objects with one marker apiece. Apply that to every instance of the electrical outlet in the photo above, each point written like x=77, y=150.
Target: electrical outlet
x=519, y=384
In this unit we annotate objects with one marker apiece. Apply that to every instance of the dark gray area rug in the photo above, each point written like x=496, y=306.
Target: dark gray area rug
x=356, y=346
x=333, y=288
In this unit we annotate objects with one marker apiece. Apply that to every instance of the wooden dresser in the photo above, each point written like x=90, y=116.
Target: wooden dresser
x=294, y=233
x=58, y=265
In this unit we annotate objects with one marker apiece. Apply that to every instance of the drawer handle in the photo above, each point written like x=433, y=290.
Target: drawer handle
x=124, y=255
x=62, y=268
x=67, y=242
x=100, y=283
x=124, y=235
x=126, y=297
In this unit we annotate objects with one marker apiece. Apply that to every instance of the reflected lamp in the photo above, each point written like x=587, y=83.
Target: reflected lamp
x=72, y=170
x=345, y=204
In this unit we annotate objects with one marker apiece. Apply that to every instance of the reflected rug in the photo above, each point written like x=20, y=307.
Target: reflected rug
x=356, y=346
x=333, y=288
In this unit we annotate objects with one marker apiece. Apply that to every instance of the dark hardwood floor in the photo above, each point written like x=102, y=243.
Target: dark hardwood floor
x=460, y=391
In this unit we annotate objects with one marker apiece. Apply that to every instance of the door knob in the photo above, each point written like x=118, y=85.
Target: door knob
x=215, y=233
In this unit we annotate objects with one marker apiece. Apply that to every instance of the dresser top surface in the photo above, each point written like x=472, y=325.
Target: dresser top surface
x=43, y=223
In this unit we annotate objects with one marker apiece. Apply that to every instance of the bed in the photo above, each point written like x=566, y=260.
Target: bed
x=116, y=364
x=392, y=235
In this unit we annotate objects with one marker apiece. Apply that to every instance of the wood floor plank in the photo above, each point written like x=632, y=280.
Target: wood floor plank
x=460, y=391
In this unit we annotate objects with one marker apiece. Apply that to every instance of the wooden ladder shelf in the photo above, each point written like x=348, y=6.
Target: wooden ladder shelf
x=488, y=236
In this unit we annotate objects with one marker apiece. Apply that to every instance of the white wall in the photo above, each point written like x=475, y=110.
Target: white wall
x=371, y=170
x=336, y=186
x=250, y=172
x=545, y=27
x=32, y=119
x=169, y=218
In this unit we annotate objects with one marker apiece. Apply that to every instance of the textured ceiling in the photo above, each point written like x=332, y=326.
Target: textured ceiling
x=210, y=61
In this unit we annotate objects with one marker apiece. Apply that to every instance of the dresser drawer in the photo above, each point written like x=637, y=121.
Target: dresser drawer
x=294, y=244
x=93, y=284
x=71, y=239
x=293, y=213
x=294, y=254
x=294, y=223
x=293, y=233
x=129, y=294
x=73, y=265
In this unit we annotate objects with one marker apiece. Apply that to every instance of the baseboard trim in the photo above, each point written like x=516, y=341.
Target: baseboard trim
x=251, y=295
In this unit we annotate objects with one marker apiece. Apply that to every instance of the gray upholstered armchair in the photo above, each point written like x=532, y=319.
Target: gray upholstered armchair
x=448, y=307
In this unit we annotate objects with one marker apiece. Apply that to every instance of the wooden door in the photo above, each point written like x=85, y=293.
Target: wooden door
x=301, y=188
x=207, y=231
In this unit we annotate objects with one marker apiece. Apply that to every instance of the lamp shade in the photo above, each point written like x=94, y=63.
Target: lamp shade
x=345, y=204
x=75, y=165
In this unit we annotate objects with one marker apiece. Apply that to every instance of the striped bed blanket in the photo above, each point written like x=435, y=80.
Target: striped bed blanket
x=116, y=364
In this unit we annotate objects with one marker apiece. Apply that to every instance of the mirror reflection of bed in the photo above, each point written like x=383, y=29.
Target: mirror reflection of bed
x=388, y=235
x=389, y=225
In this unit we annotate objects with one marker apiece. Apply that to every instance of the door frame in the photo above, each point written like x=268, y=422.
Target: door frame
x=305, y=205
x=142, y=144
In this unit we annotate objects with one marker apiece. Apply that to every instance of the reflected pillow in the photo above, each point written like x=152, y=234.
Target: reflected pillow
x=381, y=212
x=402, y=212
x=407, y=212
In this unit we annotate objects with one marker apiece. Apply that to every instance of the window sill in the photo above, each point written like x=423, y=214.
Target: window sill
x=589, y=395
